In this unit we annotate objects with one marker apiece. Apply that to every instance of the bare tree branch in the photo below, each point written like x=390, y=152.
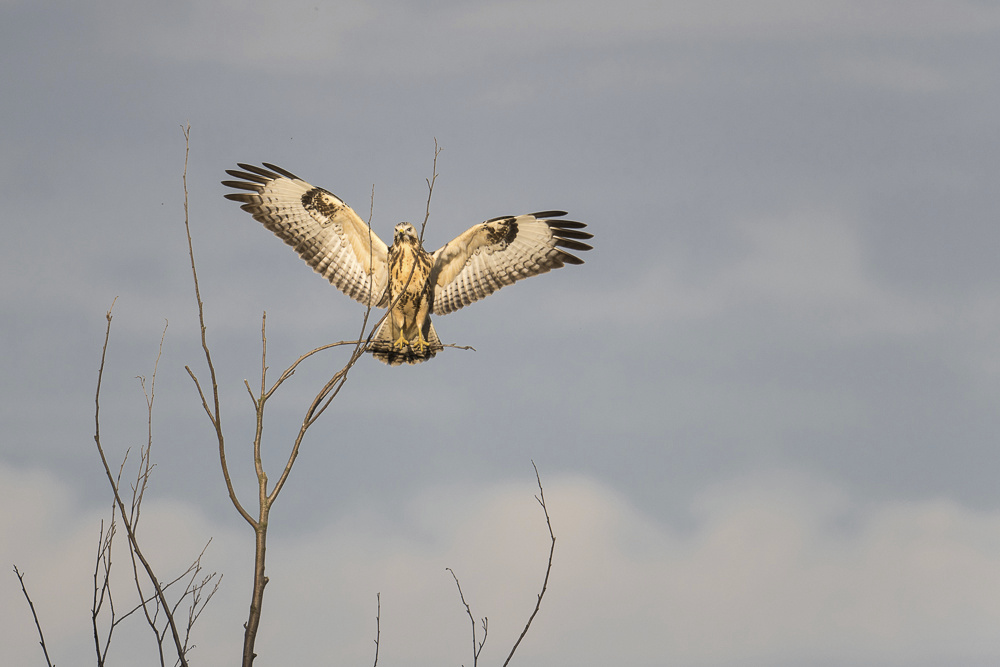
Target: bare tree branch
x=548, y=569
x=427, y=215
x=102, y=590
x=477, y=648
x=133, y=542
x=378, y=625
x=194, y=589
x=321, y=401
x=214, y=413
x=324, y=397
x=159, y=614
x=41, y=637
x=145, y=468
x=430, y=188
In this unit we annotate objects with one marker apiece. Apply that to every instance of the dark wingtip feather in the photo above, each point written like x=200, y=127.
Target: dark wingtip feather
x=549, y=214
x=260, y=171
x=570, y=224
x=247, y=176
x=572, y=245
x=571, y=233
x=570, y=259
x=242, y=185
x=283, y=172
x=241, y=197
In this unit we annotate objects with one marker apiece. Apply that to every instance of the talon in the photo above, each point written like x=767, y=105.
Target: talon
x=420, y=343
x=401, y=342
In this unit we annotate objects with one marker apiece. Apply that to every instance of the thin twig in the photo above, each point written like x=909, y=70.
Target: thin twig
x=258, y=436
x=427, y=215
x=290, y=371
x=430, y=188
x=41, y=637
x=477, y=648
x=329, y=392
x=378, y=625
x=320, y=402
x=133, y=542
x=138, y=492
x=458, y=347
x=103, y=591
x=548, y=569
x=213, y=415
x=194, y=590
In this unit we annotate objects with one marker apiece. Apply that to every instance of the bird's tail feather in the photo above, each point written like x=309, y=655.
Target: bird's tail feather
x=382, y=346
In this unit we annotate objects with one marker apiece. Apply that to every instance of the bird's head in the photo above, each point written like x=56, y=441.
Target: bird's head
x=405, y=232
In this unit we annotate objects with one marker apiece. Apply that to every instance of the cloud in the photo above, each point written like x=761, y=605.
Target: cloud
x=729, y=19
x=234, y=32
x=808, y=266
x=786, y=569
x=53, y=539
x=892, y=73
x=814, y=263
x=441, y=37
x=778, y=569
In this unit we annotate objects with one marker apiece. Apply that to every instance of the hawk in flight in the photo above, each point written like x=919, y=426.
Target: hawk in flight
x=405, y=278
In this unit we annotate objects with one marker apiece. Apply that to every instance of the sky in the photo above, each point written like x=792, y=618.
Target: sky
x=764, y=411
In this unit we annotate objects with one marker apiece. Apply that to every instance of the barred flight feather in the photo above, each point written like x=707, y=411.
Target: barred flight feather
x=331, y=238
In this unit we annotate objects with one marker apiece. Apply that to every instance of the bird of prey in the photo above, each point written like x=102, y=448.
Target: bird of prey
x=405, y=278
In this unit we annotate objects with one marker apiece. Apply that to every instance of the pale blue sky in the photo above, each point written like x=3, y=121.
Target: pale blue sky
x=765, y=408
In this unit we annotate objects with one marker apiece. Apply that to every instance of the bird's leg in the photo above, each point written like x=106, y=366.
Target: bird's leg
x=399, y=325
x=421, y=321
x=420, y=343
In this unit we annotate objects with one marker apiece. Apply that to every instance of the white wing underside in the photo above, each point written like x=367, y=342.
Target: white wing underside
x=326, y=233
x=500, y=252
x=338, y=245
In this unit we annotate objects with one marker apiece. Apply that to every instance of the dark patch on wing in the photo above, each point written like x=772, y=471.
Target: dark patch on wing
x=502, y=231
x=315, y=201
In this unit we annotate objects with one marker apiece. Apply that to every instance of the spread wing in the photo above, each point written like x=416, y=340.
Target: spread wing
x=501, y=251
x=325, y=231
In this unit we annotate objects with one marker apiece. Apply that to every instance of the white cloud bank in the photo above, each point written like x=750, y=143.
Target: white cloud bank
x=778, y=569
